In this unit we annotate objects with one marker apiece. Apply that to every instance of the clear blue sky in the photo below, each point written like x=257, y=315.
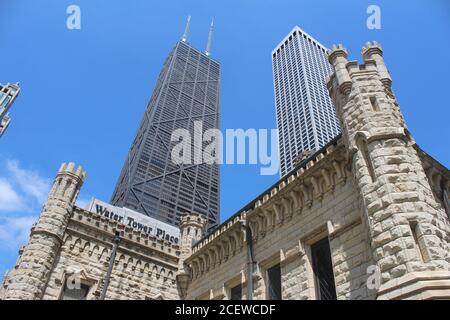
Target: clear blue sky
x=85, y=91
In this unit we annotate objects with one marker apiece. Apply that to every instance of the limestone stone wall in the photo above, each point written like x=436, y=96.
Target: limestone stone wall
x=351, y=260
x=338, y=210
x=350, y=255
x=408, y=229
x=143, y=269
x=69, y=245
x=35, y=264
x=285, y=223
x=382, y=203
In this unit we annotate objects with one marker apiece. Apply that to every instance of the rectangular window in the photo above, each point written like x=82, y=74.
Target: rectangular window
x=274, y=283
x=362, y=146
x=374, y=104
x=236, y=293
x=446, y=201
x=323, y=270
x=418, y=242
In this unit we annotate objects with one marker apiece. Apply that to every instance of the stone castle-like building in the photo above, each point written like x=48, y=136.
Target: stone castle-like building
x=366, y=217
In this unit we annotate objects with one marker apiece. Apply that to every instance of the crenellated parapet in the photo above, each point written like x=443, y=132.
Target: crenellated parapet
x=372, y=51
x=61, y=199
x=341, y=77
x=363, y=97
x=345, y=70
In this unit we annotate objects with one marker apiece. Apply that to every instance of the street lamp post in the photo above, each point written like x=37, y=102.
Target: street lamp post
x=116, y=241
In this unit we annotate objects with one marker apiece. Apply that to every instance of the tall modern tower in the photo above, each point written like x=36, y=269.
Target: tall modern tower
x=187, y=91
x=306, y=118
x=8, y=94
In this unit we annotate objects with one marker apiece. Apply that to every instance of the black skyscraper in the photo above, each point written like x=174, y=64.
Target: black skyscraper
x=187, y=90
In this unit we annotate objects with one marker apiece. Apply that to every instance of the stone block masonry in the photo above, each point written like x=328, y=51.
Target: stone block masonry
x=376, y=203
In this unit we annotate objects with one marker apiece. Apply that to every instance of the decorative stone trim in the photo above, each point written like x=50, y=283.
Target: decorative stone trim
x=417, y=285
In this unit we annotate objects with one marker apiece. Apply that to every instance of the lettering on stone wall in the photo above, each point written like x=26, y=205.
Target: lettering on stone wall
x=125, y=217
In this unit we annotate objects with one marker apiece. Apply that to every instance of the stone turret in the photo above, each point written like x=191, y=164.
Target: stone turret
x=192, y=229
x=373, y=51
x=32, y=272
x=338, y=59
x=408, y=230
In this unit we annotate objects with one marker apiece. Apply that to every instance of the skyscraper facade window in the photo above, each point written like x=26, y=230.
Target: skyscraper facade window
x=8, y=94
x=306, y=118
x=187, y=91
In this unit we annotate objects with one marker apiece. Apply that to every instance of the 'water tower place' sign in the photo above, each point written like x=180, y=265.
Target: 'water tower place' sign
x=135, y=220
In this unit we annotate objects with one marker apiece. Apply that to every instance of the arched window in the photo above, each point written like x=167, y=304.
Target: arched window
x=362, y=147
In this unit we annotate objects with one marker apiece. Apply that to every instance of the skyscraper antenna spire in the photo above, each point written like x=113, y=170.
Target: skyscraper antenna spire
x=186, y=29
x=208, y=45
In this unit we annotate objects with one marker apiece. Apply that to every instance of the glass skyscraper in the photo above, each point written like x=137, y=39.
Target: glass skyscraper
x=187, y=91
x=306, y=118
x=8, y=94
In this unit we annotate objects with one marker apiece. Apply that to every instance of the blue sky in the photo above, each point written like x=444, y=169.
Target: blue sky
x=85, y=91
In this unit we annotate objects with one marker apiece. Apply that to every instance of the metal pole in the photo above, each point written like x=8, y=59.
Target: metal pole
x=208, y=45
x=116, y=241
x=250, y=262
x=186, y=30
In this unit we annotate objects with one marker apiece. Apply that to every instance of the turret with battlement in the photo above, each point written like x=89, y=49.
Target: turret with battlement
x=373, y=51
x=29, y=278
x=409, y=231
x=192, y=229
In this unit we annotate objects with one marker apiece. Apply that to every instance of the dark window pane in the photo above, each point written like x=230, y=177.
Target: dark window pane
x=274, y=282
x=323, y=270
x=236, y=293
